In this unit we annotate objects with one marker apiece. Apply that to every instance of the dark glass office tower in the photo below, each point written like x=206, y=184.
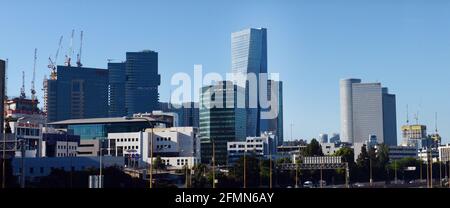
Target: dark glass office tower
x=78, y=92
x=2, y=92
x=221, y=120
x=141, y=82
x=116, y=99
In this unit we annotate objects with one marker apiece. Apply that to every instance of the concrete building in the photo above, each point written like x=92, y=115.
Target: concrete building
x=413, y=135
x=431, y=154
x=249, y=55
x=28, y=129
x=78, y=92
x=263, y=146
x=330, y=148
x=367, y=109
x=94, y=132
x=142, y=81
x=444, y=153
x=177, y=146
x=59, y=144
x=188, y=113
x=221, y=120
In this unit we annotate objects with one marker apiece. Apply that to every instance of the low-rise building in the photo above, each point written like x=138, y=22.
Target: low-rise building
x=400, y=152
x=444, y=153
x=263, y=147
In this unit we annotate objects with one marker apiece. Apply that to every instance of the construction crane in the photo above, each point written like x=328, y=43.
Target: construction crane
x=70, y=51
x=33, y=91
x=22, y=89
x=79, y=53
x=52, y=63
x=6, y=80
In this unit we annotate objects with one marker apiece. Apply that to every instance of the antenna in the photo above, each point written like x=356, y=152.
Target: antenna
x=33, y=91
x=435, y=123
x=416, y=117
x=22, y=90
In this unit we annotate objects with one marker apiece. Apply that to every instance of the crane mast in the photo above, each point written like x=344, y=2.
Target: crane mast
x=22, y=89
x=79, y=53
x=52, y=63
x=70, y=52
x=33, y=90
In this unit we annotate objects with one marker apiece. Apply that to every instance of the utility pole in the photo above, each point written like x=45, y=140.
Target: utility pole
x=213, y=164
x=395, y=168
x=245, y=167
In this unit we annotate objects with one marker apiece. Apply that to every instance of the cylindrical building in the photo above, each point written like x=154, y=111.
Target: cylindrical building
x=347, y=109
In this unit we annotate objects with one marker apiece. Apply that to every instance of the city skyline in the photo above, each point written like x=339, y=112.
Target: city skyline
x=401, y=50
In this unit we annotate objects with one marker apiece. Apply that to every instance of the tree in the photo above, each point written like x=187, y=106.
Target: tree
x=159, y=165
x=313, y=149
x=347, y=154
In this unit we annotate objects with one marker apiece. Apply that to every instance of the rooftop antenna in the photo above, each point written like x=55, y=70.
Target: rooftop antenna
x=435, y=123
x=416, y=117
x=22, y=89
x=407, y=115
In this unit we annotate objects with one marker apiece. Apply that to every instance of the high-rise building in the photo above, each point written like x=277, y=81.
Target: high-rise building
x=274, y=124
x=116, y=92
x=323, y=138
x=2, y=93
x=389, y=118
x=142, y=81
x=249, y=55
x=367, y=110
x=78, y=92
x=413, y=135
x=221, y=120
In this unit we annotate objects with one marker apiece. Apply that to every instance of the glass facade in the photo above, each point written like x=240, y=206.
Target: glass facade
x=141, y=82
x=101, y=130
x=78, y=92
x=249, y=55
x=116, y=96
x=220, y=124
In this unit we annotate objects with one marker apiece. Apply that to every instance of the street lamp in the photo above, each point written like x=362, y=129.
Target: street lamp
x=151, y=142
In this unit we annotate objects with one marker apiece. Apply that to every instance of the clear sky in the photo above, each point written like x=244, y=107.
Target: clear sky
x=405, y=45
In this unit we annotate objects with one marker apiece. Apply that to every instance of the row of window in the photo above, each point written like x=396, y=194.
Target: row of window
x=163, y=146
x=65, y=147
x=64, y=154
x=163, y=139
x=128, y=140
x=182, y=162
x=41, y=169
x=27, y=132
x=243, y=146
x=131, y=147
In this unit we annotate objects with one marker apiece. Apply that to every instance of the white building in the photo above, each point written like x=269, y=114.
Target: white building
x=330, y=148
x=262, y=146
x=444, y=153
x=400, y=152
x=176, y=146
x=428, y=154
x=28, y=130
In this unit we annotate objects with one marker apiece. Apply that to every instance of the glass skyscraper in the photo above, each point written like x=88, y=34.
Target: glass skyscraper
x=249, y=55
x=141, y=82
x=116, y=96
x=274, y=125
x=221, y=120
x=78, y=92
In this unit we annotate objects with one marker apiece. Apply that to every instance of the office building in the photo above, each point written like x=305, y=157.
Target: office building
x=323, y=138
x=274, y=124
x=366, y=109
x=263, y=146
x=413, y=135
x=142, y=81
x=400, y=152
x=221, y=120
x=177, y=147
x=116, y=90
x=444, y=153
x=335, y=138
x=249, y=55
x=78, y=92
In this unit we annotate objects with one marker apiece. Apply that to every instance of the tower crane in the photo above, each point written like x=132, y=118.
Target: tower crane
x=79, y=53
x=52, y=63
x=33, y=91
x=70, y=51
x=22, y=89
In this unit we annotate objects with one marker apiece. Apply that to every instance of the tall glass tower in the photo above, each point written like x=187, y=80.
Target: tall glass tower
x=249, y=55
x=142, y=81
x=116, y=93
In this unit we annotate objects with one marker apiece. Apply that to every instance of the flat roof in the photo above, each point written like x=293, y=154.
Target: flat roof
x=101, y=120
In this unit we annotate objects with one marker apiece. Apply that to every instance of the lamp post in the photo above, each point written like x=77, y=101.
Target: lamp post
x=4, y=161
x=151, y=144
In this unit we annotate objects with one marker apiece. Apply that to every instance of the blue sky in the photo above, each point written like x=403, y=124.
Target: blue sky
x=405, y=45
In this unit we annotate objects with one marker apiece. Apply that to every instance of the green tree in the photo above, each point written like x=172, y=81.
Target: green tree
x=159, y=165
x=313, y=149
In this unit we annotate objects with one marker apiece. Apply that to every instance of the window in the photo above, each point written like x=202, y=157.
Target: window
x=41, y=170
x=169, y=146
x=31, y=170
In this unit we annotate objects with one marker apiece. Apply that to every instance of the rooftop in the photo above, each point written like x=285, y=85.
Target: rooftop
x=100, y=120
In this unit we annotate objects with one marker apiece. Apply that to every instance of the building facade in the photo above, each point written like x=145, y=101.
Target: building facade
x=2, y=94
x=142, y=81
x=116, y=90
x=262, y=147
x=367, y=109
x=78, y=92
x=249, y=55
x=274, y=124
x=221, y=120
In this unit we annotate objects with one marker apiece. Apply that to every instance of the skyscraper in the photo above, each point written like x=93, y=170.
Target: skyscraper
x=389, y=118
x=2, y=93
x=274, y=125
x=367, y=109
x=249, y=55
x=116, y=93
x=221, y=120
x=78, y=92
x=142, y=81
